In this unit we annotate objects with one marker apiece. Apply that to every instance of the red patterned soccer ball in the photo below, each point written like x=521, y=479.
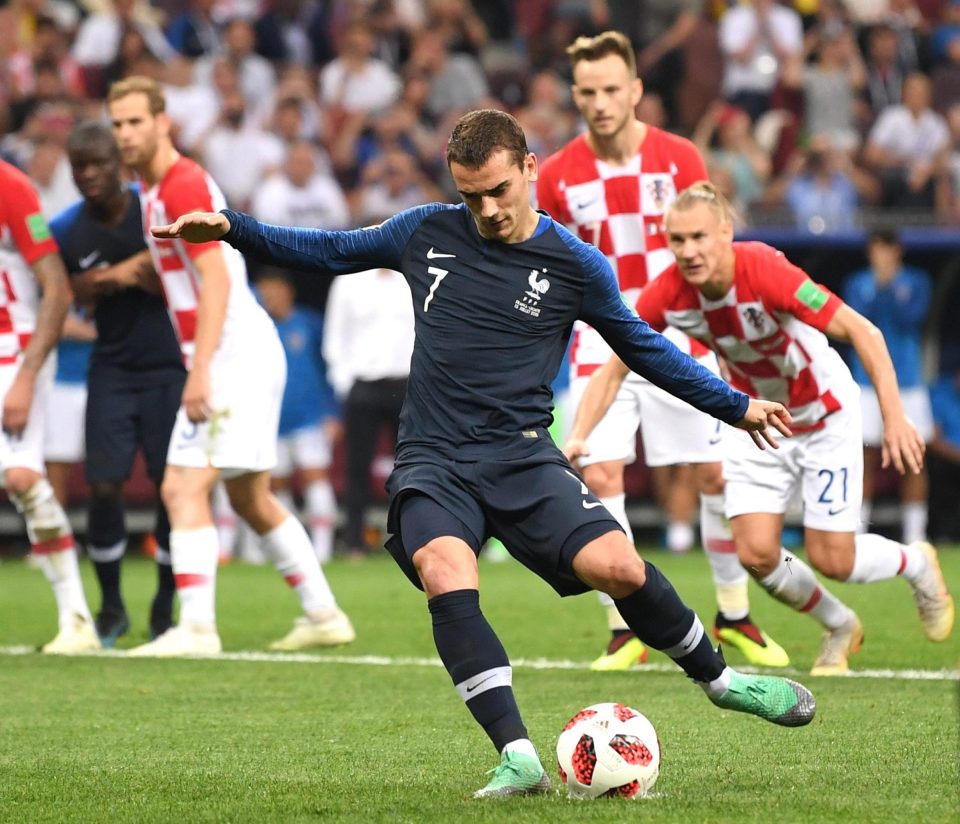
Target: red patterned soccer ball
x=608, y=750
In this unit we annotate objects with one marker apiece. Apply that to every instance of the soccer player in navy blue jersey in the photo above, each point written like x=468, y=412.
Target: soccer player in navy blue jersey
x=496, y=287
x=136, y=373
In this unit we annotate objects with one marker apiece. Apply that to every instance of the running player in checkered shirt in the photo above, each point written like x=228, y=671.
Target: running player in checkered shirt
x=769, y=321
x=612, y=186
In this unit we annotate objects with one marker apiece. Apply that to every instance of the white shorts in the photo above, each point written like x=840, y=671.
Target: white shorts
x=916, y=403
x=303, y=449
x=673, y=432
x=241, y=435
x=63, y=437
x=825, y=467
x=26, y=451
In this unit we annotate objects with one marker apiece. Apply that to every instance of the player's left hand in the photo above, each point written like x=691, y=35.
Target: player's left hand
x=902, y=446
x=16, y=404
x=196, y=395
x=575, y=448
x=760, y=417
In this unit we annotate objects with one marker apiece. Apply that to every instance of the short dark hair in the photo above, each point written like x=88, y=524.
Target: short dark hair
x=888, y=235
x=478, y=134
x=91, y=132
x=605, y=43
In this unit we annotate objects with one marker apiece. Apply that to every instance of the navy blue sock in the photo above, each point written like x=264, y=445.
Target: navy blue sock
x=477, y=663
x=661, y=620
x=106, y=533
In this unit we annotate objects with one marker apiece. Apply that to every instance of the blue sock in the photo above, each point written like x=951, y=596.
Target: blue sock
x=477, y=663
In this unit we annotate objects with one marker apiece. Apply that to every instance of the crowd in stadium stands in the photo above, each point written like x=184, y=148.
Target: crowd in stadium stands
x=817, y=114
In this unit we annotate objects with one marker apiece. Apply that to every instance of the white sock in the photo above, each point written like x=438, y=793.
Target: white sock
x=289, y=548
x=729, y=577
x=226, y=520
x=879, y=559
x=719, y=685
x=321, y=509
x=914, y=518
x=866, y=511
x=52, y=542
x=794, y=584
x=63, y=573
x=194, y=554
x=616, y=505
x=524, y=746
x=679, y=536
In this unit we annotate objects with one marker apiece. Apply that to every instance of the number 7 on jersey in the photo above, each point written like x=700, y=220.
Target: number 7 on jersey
x=440, y=275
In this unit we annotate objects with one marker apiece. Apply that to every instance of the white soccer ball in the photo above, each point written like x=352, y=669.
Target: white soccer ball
x=608, y=750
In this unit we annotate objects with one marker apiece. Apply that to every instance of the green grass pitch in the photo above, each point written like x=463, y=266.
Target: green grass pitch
x=375, y=732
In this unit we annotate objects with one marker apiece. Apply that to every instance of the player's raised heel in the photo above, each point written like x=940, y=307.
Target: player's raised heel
x=755, y=645
x=621, y=655
x=331, y=629
x=836, y=648
x=179, y=642
x=75, y=638
x=934, y=602
x=778, y=700
x=517, y=774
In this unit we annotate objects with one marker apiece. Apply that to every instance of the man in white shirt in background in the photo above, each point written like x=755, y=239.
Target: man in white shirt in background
x=368, y=375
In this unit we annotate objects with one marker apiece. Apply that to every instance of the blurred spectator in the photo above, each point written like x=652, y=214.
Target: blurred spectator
x=49, y=169
x=832, y=85
x=257, y=76
x=295, y=32
x=663, y=29
x=823, y=188
x=299, y=84
x=302, y=194
x=724, y=137
x=101, y=35
x=547, y=119
x=391, y=32
x=908, y=147
x=46, y=65
x=456, y=82
x=237, y=153
x=885, y=72
x=944, y=457
x=456, y=21
x=389, y=184
x=193, y=32
x=356, y=81
x=945, y=41
x=370, y=379
x=908, y=23
x=950, y=191
x=757, y=40
x=896, y=298
x=309, y=423
x=945, y=75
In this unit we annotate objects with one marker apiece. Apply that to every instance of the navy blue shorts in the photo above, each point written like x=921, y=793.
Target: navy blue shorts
x=124, y=415
x=538, y=506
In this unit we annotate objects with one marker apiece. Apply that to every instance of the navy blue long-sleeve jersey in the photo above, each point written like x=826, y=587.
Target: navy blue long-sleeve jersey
x=492, y=322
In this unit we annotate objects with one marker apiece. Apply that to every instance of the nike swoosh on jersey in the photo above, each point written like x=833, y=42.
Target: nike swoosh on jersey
x=433, y=255
x=836, y=511
x=591, y=505
x=87, y=260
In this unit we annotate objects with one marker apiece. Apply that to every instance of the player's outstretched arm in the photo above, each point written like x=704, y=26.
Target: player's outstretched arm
x=902, y=445
x=761, y=417
x=601, y=390
x=195, y=227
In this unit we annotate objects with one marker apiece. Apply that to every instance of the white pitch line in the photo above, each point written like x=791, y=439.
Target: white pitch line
x=517, y=663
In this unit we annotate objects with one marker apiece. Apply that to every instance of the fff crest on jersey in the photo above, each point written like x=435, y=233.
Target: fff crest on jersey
x=529, y=304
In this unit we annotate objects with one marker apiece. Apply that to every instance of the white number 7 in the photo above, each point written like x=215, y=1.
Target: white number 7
x=441, y=274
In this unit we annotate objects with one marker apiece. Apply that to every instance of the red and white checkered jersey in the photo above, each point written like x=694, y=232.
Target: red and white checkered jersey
x=186, y=187
x=24, y=239
x=620, y=210
x=768, y=328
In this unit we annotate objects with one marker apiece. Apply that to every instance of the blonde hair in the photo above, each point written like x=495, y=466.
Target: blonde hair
x=138, y=84
x=595, y=48
x=703, y=191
